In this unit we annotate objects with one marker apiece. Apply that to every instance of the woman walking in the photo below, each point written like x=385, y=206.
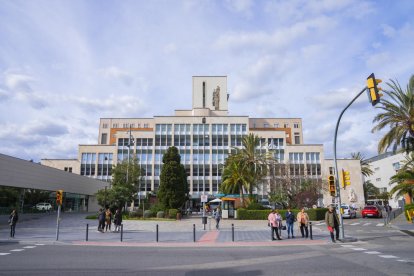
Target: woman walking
x=117, y=219
x=217, y=216
x=332, y=222
x=13, y=218
x=303, y=220
x=108, y=219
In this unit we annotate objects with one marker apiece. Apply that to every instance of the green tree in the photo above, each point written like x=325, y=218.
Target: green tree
x=404, y=181
x=124, y=186
x=370, y=190
x=365, y=166
x=397, y=114
x=173, y=190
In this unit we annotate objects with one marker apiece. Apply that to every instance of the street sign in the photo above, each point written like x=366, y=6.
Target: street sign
x=204, y=198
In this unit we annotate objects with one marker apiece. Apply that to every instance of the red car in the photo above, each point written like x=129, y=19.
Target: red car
x=371, y=211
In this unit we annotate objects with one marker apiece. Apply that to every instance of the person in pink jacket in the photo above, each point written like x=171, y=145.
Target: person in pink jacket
x=273, y=225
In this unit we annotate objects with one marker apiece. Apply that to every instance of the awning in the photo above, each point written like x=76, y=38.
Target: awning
x=228, y=199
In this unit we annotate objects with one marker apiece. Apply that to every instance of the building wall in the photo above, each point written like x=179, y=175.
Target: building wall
x=69, y=165
x=384, y=168
x=353, y=194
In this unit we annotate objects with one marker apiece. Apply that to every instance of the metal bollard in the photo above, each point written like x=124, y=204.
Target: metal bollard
x=156, y=233
x=232, y=232
x=194, y=233
x=310, y=230
x=122, y=232
x=87, y=231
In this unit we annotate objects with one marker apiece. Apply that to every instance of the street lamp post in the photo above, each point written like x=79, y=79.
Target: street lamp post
x=338, y=191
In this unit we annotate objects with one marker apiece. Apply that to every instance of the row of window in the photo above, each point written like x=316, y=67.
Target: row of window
x=126, y=125
x=276, y=125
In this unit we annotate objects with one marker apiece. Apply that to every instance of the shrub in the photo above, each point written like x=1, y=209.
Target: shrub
x=256, y=206
x=160, y=214
x=135, y=214
x=91, y=217
x=148, y=214
x=172, y=213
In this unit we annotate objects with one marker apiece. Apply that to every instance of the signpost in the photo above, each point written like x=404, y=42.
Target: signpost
x=204, y=199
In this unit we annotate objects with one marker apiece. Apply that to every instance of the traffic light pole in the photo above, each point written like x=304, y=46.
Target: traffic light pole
x=57, y=223
x=338, y=191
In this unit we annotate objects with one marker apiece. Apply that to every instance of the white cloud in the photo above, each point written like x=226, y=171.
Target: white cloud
x=240, y=6
x=113, y=72
x=388, y=31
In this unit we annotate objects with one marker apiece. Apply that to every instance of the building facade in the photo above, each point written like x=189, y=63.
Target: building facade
x=384, y=166
x=204, y=136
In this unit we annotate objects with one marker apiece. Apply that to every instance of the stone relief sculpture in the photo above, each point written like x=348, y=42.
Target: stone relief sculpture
x=352, y=195
x=216, y=98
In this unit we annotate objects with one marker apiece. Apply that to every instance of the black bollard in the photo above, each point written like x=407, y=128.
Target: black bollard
x=310, y=230
x=122, y=232
x=87, y=231
x=156, y=233
x=232, y=232
x=194, y=233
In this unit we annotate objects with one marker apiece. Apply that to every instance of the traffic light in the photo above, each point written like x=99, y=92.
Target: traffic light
x=331, y=183
x=59, y=197
x=373, y=89
x=345, y=178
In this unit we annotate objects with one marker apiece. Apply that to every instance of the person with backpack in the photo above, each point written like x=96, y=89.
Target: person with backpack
x=290, y=220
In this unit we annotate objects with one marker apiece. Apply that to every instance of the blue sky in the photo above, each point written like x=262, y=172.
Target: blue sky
x=65, y=64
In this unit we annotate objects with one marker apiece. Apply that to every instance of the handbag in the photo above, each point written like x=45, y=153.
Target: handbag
x=283, y=227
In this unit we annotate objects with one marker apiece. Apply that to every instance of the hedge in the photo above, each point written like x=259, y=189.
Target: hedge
x=408, y=207
x=244, y=214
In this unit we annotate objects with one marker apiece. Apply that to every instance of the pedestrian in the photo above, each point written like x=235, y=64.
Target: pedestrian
x=217, y=216
x=332, y=222
x=290, y=220
x=108, y=219
x=117, y=219
x=279, y=222
x=273, y=225
x=13, y=218
x=303, y=220
x=101, y=220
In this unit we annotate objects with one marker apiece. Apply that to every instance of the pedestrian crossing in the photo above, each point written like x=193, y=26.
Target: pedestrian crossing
x=355, y=224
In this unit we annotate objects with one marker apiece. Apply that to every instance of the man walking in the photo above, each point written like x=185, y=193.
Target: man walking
x=332, y=222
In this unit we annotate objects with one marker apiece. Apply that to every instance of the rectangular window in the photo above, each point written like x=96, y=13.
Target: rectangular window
x=105, y=125
x=70, y=169
x=265, y=125
x=286, y=125
x=378, y=179
x=297, y=138
x=66, y=169
x=295, y=125
x=396, y=166
x=115, y=126
x=145, y=125
x=276, y=125
x=104, y=138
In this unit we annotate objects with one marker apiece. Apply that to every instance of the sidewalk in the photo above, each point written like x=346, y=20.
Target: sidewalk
x=143, y=233
x=402, y=224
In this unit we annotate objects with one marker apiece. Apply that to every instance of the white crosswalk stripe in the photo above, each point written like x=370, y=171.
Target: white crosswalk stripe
x=4, y=254
x=372, y=252
x=347, y=245
x=387, y=256
x=17, y=250
x=366, y=224
x=380, y=224
x=322, y=223
x=358, y=249
x=356, y=223
x=39, y=244
x=31, y=246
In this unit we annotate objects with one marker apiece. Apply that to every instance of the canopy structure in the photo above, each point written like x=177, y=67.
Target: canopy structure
x=215, y=200
x=228, y=199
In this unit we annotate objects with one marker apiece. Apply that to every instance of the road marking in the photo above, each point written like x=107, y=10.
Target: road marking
x=387, y=256
x=366, y=224
x=358, y=249
x=372, y=252
x=404, y=261
x=39, y=244
x=4, y=254
x=380, y=224
x=347, y=245
x=17, y=250
x=30, y=246
x=355, y=223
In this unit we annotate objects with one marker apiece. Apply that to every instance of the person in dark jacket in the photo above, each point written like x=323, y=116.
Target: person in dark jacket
x=13, y=218
x=101, y=220
x=290, y=220
x=118, y=219
x=332, y=222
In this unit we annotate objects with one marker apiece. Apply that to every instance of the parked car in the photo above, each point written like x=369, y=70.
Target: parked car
x=371, y=211
x=43, y=206
x=348, y=211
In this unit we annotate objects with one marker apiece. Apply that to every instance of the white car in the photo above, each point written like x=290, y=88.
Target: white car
x=348, y=211
x=43, y=206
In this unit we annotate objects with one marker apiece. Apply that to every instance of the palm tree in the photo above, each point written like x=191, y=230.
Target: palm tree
x=254, y=163
x=405, y=183
x=398, y=114
x=233, y=180
x=365, y=166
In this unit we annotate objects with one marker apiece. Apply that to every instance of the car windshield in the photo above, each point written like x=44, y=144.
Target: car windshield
x=345, y=207
x=370, y=208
